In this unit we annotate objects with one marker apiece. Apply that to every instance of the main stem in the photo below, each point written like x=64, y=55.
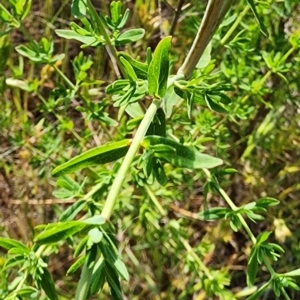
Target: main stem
x=123, y=171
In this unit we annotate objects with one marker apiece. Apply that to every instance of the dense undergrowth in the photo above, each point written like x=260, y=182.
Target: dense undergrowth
x=55, y=107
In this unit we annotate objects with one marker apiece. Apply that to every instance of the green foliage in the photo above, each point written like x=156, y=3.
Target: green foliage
x=152, y=152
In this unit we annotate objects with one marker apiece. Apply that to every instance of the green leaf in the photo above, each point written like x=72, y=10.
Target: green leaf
x=159, y=173
x=70, y=34
x=259, y=292
x=26, y=291
x=169, y=100
x=263, y=28
x=72, y=211
x=267, y=202
x=252, y=267
x=129, y=69
x=113, y=282
x=215, y=213
x=95, y=236
x=98, y=277
x=81, y=246
x=180, y=155
x=129, y=36
x=115, y=11
x=59, y=231
x=8, y=243
x=293, y=273
x=158, y=71
x=112, y=257
x=78, y=8
x=99, y=155
x=261, y=238
x=74, y=267
x=141, y=69
x=95, y=220
x=47, y=284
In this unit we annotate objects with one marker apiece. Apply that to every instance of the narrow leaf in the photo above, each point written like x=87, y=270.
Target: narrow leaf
x=8, y=243
x=262, y=26
x=99, y=155
x=59, y=231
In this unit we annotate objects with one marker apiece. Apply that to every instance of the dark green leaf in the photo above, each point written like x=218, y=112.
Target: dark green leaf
x=252, y=267
x=47, y=284
x=113, y=282
x=158, y=71
x=78, y=8
x=99, y=155
x=98, y=277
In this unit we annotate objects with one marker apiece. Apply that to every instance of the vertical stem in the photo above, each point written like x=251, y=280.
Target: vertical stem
x=123, y=171
x=112, y=52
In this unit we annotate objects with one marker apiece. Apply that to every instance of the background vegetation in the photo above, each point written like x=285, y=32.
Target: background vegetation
x=164, y=244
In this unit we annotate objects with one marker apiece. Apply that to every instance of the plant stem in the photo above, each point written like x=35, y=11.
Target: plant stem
x=123, y=171
x=214, y=14
x=234, y=25
x=233, y=207
x=154, y=200
x=111, y=50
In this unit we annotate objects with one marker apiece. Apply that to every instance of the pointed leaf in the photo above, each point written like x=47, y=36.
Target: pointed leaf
x=263, y=28
x=59, y=231
x=158, y=71
x=99, y=155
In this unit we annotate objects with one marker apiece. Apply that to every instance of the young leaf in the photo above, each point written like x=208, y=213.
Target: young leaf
x=158, y=71
x=99, y=155
x=115, y=11
x=129, y=69
x=141, y=69
x=129, y=36
x=59, y=231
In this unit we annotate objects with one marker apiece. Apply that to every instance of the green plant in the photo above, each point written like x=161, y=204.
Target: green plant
x=153, y=153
